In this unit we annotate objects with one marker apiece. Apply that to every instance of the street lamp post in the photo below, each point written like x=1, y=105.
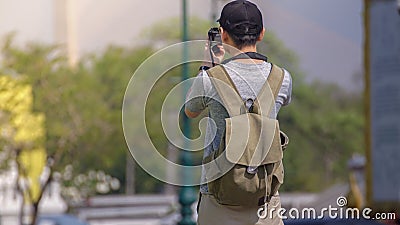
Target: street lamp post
x=186, y=194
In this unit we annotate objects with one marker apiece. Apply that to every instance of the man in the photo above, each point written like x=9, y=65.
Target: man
x=241, y=27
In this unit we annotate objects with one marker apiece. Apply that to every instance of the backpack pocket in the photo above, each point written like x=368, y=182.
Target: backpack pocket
x=252, y=141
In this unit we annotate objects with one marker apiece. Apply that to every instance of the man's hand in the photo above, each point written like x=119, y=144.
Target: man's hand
x=218, y=57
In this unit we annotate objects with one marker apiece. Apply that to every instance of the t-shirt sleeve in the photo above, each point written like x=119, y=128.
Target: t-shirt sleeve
x=195, y=101
x=285, y=93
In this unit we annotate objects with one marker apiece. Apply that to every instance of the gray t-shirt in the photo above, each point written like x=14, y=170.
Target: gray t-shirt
x=248, y=79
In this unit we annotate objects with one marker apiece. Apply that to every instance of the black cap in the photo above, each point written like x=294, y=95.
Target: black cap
x=241, y=17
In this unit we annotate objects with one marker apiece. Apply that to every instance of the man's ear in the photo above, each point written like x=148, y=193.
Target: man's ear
x=261, y=35
x=224, y=35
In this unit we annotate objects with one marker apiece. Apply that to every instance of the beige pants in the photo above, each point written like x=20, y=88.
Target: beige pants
x=212, y=213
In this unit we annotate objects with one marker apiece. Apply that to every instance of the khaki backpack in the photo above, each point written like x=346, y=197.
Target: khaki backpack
x=247, y=167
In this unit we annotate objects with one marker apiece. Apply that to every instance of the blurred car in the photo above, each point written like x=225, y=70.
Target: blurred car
x=61, y=219
x=332, y=222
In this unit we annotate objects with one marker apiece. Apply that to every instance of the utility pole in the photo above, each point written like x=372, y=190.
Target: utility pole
x=214, y=8
x=367, y=104
x=186, y=194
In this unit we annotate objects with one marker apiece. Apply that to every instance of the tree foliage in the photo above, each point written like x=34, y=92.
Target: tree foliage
x=82, y=106
x=22, y=139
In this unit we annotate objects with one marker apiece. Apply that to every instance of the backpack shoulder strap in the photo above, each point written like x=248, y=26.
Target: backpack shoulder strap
x=269, y=92
x=227, y=90
x=275, y=79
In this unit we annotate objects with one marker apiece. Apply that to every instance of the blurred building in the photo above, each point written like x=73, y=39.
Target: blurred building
x=383, y=69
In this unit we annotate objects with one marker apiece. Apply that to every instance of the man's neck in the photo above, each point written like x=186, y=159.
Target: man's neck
x=248, y=49
x=252, y=48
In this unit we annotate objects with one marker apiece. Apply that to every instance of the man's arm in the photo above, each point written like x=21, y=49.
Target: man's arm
x=195, y=105
x=285, y=93
x=195, y=98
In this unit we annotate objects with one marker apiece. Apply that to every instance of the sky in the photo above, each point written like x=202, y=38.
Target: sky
x=341, y=16
x=325, y=34
x=31, y=20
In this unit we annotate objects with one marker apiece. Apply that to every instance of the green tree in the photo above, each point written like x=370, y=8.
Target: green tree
x=22, y=141
x=82, y=106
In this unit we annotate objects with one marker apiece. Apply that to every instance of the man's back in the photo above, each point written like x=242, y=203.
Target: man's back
x=241, y=27
x=248, y=79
